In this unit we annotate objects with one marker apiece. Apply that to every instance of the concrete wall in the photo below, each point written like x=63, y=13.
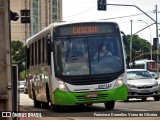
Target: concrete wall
x=5, y=61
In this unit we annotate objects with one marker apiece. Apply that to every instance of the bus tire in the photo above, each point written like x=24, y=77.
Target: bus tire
x=89, y=104
x=45, y=105
x=54, y=107
x=127, y=100
x=37, y=104
x=109, y=105
x=47, y=93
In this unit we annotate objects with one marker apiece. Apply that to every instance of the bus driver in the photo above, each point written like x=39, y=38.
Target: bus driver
x=103, y=52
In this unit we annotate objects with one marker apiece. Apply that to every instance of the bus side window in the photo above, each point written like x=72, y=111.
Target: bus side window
x=39, y=51
x=49, y=49
x=28, y=57
x=35, y=56
x=139, y=66
x=32, y=54
x=43, y=49
x=149, y=66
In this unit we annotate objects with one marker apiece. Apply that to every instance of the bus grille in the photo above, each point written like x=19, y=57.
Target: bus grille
x=89, y=80
x=85, y=99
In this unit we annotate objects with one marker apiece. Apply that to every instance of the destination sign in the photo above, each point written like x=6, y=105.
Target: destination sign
x=85, y=28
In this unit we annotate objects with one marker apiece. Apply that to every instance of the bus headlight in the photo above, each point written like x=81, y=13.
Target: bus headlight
x=62, y=86
x=119, y=81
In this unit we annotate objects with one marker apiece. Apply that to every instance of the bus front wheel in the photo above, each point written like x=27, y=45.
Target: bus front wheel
x=109, y=105
x=55, y=107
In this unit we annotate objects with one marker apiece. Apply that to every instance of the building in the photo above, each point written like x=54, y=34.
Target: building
x=42, y=13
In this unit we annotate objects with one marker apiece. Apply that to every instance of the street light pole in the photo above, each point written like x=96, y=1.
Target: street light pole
x=150, y=35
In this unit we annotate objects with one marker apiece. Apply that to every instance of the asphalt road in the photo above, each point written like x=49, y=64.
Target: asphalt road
x=134, y=109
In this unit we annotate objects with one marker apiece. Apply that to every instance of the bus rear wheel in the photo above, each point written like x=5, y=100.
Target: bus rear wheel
x=37, y=104
x=109, y=105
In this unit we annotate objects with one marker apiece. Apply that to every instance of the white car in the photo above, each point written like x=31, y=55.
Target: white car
x=21, y=85
x=141, y=84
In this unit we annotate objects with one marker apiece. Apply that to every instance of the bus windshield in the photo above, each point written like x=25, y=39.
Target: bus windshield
x=88, y=55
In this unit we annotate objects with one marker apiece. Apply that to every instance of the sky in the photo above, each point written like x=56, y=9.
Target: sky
x=84, y=10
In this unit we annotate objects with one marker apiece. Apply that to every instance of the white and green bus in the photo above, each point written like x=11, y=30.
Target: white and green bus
x=68, y=63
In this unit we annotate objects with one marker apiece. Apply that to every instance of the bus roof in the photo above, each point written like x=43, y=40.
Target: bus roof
x=64, y=23
x=143, y=61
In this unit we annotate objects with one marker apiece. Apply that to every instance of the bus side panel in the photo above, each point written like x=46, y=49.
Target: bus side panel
x=37, y=79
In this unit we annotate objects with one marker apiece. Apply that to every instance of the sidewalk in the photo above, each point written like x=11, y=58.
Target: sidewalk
x=29, y=118
x=43, y=118
x=39, y=118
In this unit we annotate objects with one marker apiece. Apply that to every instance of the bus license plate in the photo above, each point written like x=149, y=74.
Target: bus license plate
x=91, y=95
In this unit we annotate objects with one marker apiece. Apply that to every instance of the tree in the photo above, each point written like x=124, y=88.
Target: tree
x=18, y=50
x=138, y=44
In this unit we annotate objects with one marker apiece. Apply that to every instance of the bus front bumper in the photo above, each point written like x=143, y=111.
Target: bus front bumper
x=67, y=98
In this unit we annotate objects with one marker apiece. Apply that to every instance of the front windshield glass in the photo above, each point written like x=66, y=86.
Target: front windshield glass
x=89, y=55
x=136, y=75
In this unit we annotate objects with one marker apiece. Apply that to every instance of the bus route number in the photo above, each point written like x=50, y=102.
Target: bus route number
x=104, y=86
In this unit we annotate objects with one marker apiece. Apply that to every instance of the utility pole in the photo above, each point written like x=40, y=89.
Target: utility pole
x=157, y=41
x=131, y=44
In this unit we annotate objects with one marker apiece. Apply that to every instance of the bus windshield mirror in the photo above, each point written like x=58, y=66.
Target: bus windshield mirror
x=125, y=39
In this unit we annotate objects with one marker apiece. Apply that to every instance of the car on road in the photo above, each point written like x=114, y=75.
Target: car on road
x=141, y=84
x=21, y=85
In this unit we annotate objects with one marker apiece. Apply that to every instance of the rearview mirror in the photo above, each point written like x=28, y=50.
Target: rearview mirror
x=125, y=39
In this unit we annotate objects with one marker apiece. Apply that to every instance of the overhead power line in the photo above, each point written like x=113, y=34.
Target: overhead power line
x=149, y=12
x=80, y=12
